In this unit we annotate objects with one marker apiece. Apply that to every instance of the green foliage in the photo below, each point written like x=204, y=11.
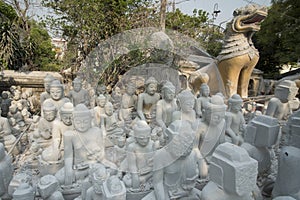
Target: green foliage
x=43, y=57
x=11, y=50
x=279, y=38
x=24, y=43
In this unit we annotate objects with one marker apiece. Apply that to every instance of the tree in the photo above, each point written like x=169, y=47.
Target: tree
x=24, y=44
x=84, y=23
x=197, y=26
x=279, y=37
x=11, y=51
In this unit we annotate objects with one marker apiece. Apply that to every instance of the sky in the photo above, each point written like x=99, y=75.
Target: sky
x=187, y=6
x=225, y=6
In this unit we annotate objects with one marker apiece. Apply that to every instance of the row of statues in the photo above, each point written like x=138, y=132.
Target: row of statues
x=152, y=145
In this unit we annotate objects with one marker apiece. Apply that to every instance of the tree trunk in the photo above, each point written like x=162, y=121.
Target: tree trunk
x=163, y=8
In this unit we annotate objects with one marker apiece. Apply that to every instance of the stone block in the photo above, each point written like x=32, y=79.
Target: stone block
x=288, y=179
x=262, y=131
x=294, y=134
x=233, y=170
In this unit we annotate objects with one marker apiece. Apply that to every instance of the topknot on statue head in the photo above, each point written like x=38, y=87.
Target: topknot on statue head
x=81, y=111
x=56, y=84
x=168, y=85
x=141, y=129
x=67, y=108
x=151, y=80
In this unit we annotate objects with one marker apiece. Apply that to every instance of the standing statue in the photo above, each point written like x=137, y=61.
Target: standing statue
x=99, y=109
x=78, y=94
x=203, y=99
x=211, y=131
x=239, y=56
x=235, y=122
x=146, y=105
x=128, y=103
x=166, y=106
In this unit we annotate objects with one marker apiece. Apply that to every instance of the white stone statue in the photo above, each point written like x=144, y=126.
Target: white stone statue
x=235, y=122
x=285, y=101
x=6, y=172
x=146, y=105
x=47, y=82
x=232, y=175
x=78, y=94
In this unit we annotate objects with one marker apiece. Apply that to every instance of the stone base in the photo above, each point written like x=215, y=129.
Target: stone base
x=136, y=195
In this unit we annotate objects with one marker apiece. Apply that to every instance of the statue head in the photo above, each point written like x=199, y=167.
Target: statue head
x=47, y=185
x=47, y=82
x=186, y=101
x=56, y=90
x=204, y=90
x=109, y=109
x=130, y=88
x=98, y=174
x=168, y=91
x=49, y=111
x=114, y=185
x=82, y=118
x=101, y=100
x=214, y=111
x=77, y=84
x=4, y=95
x=101, y=89
x=142, y=133
x=286, y=91
x=235, y=103
x=66, y=113
x=182, y=140
x=17, y=95
x=151, y=85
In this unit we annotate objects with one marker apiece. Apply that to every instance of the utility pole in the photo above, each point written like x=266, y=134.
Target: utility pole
x=163, y=9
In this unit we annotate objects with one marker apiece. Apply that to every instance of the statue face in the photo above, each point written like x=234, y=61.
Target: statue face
x=66, y=118
x=187, y=105
x=49, y=115
x=151, y=88
x=205, y=92
x=77, y=87
x=109, y=110
x=130, y=89
x=101, y=102
x=236, y=107
x=215, y=117
x=56, y=93
x=82, y=123
x=142, y=139
x=169, y=95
